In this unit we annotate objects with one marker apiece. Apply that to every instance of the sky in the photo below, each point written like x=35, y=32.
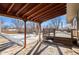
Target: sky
x=8, y=21
x=62, y=19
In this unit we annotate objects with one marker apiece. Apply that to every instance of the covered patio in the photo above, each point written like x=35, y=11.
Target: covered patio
x=40, y=12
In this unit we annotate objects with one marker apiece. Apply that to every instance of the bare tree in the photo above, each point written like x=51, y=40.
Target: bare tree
x=30, y=26
x=56, y=22
x=19, y=24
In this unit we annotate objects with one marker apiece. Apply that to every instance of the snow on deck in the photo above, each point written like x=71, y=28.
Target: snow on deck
x=44, y=49
x=19, y=38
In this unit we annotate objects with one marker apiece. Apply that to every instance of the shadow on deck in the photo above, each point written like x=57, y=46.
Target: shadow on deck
x=63, y=42
x=10, y=40
x=6, y=45
x=18, y=51
x=32, y=49
x=59, y=50
x=52, y=45
x=38, y=51
x=41, y=50
x=29, y=51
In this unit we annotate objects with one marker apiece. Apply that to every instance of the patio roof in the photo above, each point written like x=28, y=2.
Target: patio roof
x=37, y=12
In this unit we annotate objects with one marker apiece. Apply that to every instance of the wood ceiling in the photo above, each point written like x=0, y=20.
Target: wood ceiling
x=37, y=12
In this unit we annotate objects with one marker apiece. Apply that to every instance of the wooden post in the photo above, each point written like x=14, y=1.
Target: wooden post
x=71, y=33
x=72, y=36
x=39, y=31
x=77, y=34
x=0, y=26
x=24, y=34
x=77, y=24
x=54, y=32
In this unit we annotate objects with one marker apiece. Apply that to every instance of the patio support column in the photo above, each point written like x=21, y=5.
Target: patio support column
x=0, y=27
x=71, y=33
x=71, y=36
x=24, y=34
x=39, y=31
x=54, y=32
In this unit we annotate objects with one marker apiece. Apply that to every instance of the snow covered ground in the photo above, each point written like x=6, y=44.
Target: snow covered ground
x=45, y=48
x=19, y=38
x=63, y=34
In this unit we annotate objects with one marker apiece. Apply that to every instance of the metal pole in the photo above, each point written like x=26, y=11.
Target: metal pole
x=24, y=34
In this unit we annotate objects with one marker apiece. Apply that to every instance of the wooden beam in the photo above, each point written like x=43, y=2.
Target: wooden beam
x=58, y=6
x=43, y=20
x=33, y=21
x=50, y=13
x=53, y=17
x=59, y=10
x=55, y=11
x=9, y=9
x=41, y=10
x=50, y=17
x=46, y=17
x=6, y=15
x=26, y=5
x=55, y=14
x=37, y=6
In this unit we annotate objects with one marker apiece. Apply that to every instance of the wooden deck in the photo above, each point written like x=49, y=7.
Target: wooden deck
x=38, y=48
